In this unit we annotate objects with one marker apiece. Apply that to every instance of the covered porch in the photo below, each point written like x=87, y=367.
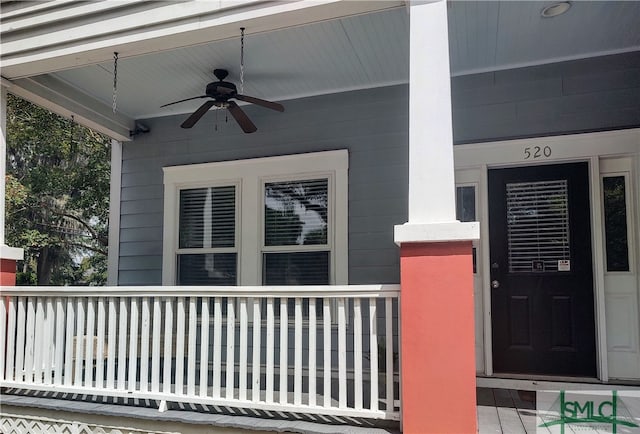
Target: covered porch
x=393, y=320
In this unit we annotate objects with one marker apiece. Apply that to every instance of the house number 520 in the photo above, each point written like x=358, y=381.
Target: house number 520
x=534, y=152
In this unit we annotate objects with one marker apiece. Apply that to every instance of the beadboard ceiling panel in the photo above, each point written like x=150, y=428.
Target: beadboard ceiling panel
x=363, y=51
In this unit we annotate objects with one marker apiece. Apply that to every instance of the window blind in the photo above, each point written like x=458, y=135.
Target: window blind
x=537, y=225
x=207, y=222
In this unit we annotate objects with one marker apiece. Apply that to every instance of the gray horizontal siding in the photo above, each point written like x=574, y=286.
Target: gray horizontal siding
x=582, y=95
x=569, y=97
x=371, y=124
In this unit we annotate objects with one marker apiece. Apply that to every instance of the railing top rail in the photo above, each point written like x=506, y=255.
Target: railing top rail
x=311, y=291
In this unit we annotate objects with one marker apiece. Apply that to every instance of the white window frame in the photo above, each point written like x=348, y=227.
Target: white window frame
x=249, y=176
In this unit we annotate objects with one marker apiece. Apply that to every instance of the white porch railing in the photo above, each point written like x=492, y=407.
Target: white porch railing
x=313, y=349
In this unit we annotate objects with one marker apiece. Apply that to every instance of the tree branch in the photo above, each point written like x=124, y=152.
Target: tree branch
x=92, y=231
x=84, y=246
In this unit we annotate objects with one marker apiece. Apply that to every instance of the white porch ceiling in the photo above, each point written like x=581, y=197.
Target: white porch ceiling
x=362, y=51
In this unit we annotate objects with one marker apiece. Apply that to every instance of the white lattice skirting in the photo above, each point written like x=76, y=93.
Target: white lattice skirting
x=19, y=424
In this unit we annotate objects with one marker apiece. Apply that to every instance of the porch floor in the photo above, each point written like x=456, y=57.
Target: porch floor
x=499, y=411
x=506, y=411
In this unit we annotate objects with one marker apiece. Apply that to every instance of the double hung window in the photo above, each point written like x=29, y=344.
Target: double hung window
x=266, y=221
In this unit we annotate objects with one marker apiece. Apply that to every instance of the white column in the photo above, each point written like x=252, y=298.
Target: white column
x=432, y=208
x=5, y=252
x=113, y=257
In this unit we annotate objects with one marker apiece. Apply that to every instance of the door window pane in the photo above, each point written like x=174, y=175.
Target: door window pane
x=615, y=223
x=537, y=225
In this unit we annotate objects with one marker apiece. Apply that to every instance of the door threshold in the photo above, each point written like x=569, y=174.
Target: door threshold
x=545, y=382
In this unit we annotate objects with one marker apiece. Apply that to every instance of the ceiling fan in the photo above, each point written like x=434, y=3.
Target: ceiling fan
x=221, y=94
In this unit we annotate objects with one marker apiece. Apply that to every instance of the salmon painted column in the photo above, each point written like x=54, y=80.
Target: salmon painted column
x=436, y=302
x=8, y=255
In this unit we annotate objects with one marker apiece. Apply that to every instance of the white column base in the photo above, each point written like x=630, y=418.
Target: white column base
x=14, y=253
x=436, y=232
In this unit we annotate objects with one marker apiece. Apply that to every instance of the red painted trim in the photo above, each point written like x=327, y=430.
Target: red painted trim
x=7, y=272
x=437, y=320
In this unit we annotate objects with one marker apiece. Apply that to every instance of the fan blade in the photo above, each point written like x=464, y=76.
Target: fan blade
x=240, y=117
x=195, y=116
x=261, y=102
x=183, y=100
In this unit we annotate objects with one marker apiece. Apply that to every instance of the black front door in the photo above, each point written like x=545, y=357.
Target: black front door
x=542, y=305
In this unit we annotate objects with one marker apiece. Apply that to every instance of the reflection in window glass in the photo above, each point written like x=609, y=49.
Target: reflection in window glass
x=207, y=269
x=296, y=213
x=296, y=268
x=207, y=217
x=466, y=211
x=615, y=223
x=466, y=204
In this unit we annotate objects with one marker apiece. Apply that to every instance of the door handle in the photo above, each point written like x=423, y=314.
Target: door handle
x=495, y=284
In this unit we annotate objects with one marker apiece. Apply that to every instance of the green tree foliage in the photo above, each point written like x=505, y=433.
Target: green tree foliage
x=57, y=197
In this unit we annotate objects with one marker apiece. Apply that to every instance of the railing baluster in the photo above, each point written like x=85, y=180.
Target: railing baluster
x=204, y=347
x=231, y=326
x=3, y=334
x=155, y=345
x=255, y=365
x=79, y=338
x=342, y=354
x=133, y=346
x=357, y=353
x=68, y=343
x=270, y=350
x=297, y=363
x=22, y=325
x=50, y=320
x=168, y=341
x=89, y=351
x=11, y=339
x=122, y=343
x=312, y=352
x=145, y=326
x=373, y=353
x=59, y=352
x=389, y=353
x=180, y=318
x=111, y=343
x=100, y=350
x=217, y=345
x=191, y=351
x=30, y=341
x=326, y=352
x=284, y=349
x=242, y=370
x=39, y=349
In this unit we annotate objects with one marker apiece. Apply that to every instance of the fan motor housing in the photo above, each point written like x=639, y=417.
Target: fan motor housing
x=221, y=90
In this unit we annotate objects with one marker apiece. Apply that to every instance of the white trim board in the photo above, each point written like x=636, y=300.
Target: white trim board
x=563, y=148
x=113, y=258
x=564, y=383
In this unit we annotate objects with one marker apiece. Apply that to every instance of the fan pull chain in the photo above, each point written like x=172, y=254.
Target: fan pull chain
x=115, y=81
x=241, y=60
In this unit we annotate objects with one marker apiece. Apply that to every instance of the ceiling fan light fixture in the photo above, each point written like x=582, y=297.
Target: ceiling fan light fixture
x=555, y=9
